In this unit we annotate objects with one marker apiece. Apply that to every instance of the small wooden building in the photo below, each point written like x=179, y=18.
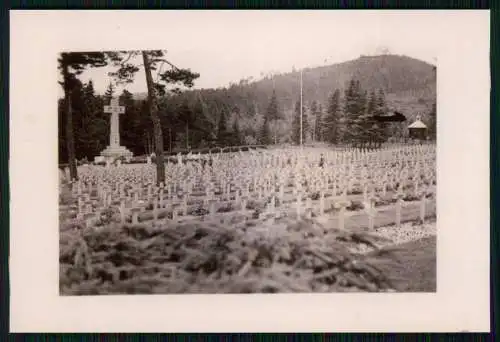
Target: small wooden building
x=417, y=130
x=390, y=117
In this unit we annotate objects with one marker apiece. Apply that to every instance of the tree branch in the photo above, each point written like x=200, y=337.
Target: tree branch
x=131, y=53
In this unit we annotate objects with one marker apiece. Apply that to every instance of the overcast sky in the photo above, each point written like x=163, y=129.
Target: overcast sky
x=226, y=46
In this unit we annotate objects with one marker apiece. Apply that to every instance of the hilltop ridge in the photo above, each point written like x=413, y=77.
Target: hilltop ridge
x=409, y=85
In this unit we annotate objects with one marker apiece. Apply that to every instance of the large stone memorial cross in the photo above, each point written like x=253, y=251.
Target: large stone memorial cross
x=114, y=109
x=114, y=150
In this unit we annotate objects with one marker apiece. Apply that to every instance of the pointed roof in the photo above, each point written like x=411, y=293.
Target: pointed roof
x=390, y=117
x=417, y=124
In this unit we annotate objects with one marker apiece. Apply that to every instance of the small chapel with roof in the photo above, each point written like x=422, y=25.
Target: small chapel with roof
x=417, y=130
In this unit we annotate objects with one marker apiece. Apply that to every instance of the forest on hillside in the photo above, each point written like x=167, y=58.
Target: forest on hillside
x=338, y=102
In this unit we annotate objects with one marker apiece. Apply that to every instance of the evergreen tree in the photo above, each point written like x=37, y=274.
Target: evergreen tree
x=222, y=132
x=134, y=125
x=381, y=103
x=151, y=60
x=354, y=112
x=316, y=116
x=372, y=132
x=72, y=64
x=89, y=123
x=253, y=109
x=265, y=133
x=385, y=128
x=236, y=133
x=186, y=119
x=89, y=90
x=202, y=128
x=331, y=129
x=63, y=155
x=110, y=92
x=372, y=103
x=273, y=115
x=319, y=123
x=126, y=98
x=81, y=120
x=363, y=100
x=94, y=132
x=432, y=122
x=296, y=124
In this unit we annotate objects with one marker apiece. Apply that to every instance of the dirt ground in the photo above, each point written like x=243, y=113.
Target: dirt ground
x=416, y=269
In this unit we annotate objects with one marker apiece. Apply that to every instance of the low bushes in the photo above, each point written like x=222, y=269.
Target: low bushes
x=208, y=258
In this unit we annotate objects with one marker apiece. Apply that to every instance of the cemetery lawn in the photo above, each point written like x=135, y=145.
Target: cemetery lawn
x=254, y=223
x=416, y=269
x=206, y=258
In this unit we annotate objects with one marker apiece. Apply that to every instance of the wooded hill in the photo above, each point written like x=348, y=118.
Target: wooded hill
x=409, y=85
x=266, y=110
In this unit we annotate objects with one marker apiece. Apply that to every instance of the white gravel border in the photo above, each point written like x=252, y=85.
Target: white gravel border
x=408, y=232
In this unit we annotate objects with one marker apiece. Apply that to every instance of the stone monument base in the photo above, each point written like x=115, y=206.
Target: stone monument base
x=113, y=152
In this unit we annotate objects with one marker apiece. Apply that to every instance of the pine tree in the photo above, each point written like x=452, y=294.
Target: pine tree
x=272, y=114
x=366, y=122
x=63, y=155
x=372, y=132
x=296, y=124
x=372, y=103
x=132, y=130
x=222, y=133
x=88, y=89
x=236, y=134
x=202, y=131
x=363, y=100
x=252, y=109
x=81, y=120
x=381, y=104
x=72, y=64
x=185, y=116
x=110, y=91
x=432, y=122
x=305, y=125
x=96, y=123
x=265, y=133
x=89, y=123
x=316, y=116
x=174, y=76
x=148, y=128
x=353, y=112
x=385, y=129
x=319, y=123
x=331, y=129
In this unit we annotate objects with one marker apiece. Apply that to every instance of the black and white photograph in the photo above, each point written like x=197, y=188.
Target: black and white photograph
x=258, y=166
x=313, y=173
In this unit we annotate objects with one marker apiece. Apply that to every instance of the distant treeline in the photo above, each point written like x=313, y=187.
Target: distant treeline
x=200, y=120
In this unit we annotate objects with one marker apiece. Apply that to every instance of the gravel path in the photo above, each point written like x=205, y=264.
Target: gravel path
x=408, y=232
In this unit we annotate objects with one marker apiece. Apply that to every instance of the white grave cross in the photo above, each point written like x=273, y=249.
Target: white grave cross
x=114, y=109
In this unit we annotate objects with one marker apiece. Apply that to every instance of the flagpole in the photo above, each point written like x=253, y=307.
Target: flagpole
x=300, y=107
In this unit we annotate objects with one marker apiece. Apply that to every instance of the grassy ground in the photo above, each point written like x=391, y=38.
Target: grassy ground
x=205, y=257
x=287, y=256
x=302, y=257
x=415, y=270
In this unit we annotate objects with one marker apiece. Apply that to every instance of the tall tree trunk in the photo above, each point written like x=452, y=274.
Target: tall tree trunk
x=155, y=118
x=70, y=138
x=275, y=132
x=170, y=140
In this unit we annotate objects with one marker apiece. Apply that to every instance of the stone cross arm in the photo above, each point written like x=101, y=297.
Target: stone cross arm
x=114, y=110
x=114, y=107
